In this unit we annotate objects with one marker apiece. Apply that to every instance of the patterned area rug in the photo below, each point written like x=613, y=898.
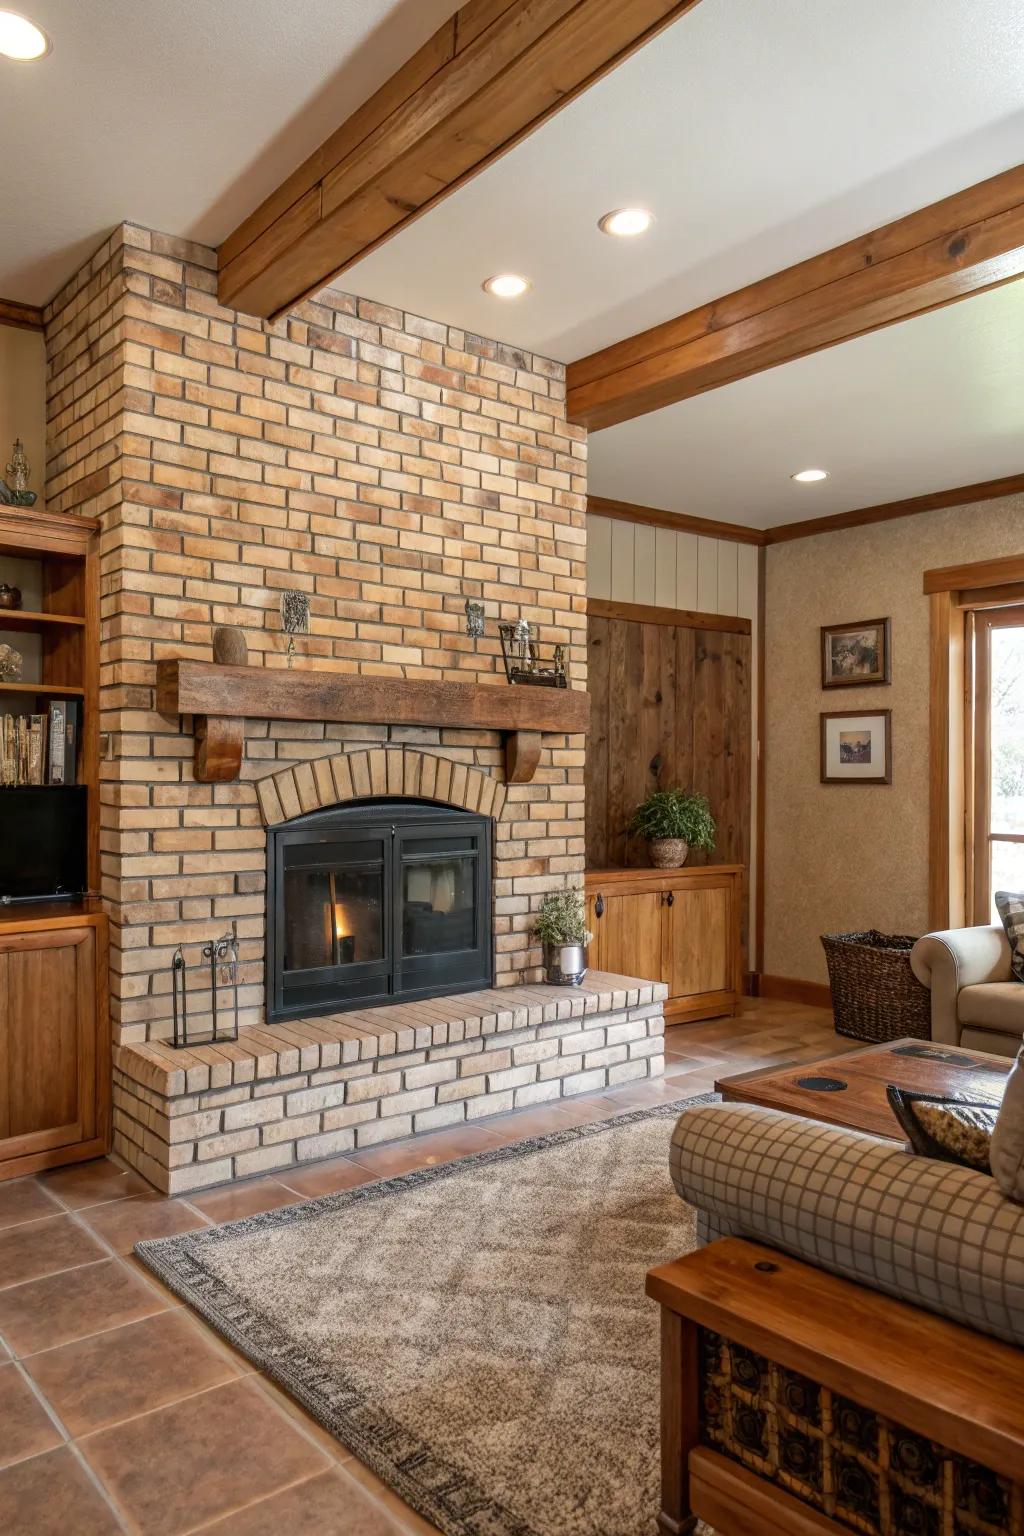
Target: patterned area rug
x=477, y=1333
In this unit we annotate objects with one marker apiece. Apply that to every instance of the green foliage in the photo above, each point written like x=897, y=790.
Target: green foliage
x=674, y=813
x=562, y=919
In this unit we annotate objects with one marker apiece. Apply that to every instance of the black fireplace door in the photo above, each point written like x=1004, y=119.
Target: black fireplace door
x=375, y=902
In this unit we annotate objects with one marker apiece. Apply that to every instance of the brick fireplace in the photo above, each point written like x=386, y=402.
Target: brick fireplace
x=389, y=468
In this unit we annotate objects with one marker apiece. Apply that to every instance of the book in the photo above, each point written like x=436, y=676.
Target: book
x=36, y=750
x=55, y=755
x=72, y=723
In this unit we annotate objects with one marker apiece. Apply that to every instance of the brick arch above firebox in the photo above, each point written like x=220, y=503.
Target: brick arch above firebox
x=360, y=774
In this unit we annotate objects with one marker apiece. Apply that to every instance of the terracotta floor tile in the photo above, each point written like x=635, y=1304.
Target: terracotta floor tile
x=25, y=1200
x=91, y=1183
x=234, y=1204
x=409, y=1521
x=327, y=1178
x=38, y=1248
x=329, y=1505
x=72, y=1305
x=200, y=1459
x=26, y=1428
x=127, y=1371
x=124, y=1223
x=52, y=1495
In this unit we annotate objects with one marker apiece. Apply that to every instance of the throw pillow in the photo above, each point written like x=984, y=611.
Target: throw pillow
x=1007, y=1152
x=947, y=1129
x=1010, y=906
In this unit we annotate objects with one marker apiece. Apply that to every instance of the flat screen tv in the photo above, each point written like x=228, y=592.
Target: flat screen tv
x=42, y=843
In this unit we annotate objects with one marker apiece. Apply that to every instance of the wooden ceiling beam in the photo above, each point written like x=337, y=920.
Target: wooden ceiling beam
x=960, y=246
x=493, y=73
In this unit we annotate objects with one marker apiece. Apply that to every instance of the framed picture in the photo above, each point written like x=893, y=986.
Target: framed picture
x=856, y=749
x=855, y=655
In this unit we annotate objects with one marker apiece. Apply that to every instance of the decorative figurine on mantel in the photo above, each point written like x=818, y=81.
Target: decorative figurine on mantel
x=14, y=491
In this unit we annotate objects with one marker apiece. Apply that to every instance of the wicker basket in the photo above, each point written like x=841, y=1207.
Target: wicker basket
x=875, y=994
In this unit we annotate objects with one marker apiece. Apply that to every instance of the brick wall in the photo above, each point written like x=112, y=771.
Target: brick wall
x=388, y=466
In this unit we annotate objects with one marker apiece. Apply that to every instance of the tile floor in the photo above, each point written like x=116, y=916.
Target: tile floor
x=120, y=1411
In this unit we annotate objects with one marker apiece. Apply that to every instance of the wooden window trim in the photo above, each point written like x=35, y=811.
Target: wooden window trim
x=979, y=817
x=955, y=594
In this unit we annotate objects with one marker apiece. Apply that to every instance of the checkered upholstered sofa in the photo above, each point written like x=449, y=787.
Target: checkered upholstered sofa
x=939, y=1236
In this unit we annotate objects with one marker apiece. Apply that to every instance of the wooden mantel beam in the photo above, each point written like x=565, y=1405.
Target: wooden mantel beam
x=960, y=246
x=494, y=72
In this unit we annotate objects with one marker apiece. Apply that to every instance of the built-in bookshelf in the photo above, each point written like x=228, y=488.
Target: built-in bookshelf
x=51, y=558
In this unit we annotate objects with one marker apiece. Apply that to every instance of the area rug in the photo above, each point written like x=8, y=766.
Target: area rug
x=476, y=1333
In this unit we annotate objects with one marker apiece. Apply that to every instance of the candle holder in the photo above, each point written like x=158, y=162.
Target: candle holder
x=524, y=663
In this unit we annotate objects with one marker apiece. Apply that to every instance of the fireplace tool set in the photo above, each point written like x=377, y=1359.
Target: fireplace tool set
x=217, y=969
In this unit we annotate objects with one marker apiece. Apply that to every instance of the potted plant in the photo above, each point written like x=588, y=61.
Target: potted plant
x=673, y=822
x=561, y=926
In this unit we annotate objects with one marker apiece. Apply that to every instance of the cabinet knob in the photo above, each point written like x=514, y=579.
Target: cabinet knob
x=599, y=906
x=670, y=899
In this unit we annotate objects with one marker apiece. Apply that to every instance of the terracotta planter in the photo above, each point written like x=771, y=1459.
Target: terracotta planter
x=668, y=852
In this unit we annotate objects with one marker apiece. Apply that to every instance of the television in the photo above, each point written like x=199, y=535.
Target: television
x=43, y=843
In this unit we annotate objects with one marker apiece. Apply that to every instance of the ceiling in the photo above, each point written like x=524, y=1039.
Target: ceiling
x=758, y=133
x=179, y=114
x=926, y=405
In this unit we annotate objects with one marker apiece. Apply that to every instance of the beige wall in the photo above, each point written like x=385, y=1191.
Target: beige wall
x=23, y=399
x=843, y=857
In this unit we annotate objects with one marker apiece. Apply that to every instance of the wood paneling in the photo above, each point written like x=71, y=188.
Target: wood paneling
x=644, y=613
x=670, y=705
x=494, y=72
x=962, y=245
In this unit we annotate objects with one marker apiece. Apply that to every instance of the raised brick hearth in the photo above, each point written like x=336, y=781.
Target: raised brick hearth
x=300, y=1091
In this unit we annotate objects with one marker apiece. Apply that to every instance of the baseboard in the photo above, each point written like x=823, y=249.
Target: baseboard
x=790, y=989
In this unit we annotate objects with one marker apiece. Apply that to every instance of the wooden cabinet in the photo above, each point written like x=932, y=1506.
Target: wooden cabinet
x=54, y=1039
x=679, y=926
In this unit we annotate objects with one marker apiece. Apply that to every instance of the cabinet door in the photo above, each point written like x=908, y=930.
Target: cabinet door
x=628, y=935
x=700, y=941
x=47, y=1040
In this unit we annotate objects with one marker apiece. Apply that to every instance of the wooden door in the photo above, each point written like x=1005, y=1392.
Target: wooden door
x=700, y=942
x=627, y=934
x=48, y=1041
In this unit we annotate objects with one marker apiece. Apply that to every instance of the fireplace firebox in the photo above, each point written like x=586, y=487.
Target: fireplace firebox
x=374, y=902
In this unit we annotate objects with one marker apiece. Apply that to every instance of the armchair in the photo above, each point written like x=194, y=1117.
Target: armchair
x=975, y=1001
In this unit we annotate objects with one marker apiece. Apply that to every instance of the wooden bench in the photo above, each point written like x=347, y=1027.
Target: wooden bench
x=795, y=1403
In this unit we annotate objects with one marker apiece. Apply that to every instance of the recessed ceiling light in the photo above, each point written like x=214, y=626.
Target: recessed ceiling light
x=507, y=285
x=21, y=39
x=807, y=476
x=626, y=221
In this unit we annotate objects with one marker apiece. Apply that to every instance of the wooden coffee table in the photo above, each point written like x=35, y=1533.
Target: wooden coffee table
x=849, y=1089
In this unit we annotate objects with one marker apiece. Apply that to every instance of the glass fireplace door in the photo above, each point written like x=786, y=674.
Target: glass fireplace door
x=333, y=920
x=375, y=901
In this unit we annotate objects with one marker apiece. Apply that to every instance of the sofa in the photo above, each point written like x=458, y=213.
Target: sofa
x=797, y=1397
x=975, y=1001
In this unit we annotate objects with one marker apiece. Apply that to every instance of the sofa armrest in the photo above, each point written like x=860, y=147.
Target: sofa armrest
x=938, y=1236
x=956, y=958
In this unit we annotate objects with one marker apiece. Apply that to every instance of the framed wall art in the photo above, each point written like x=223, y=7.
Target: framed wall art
x=856, y=748
x=856, y=655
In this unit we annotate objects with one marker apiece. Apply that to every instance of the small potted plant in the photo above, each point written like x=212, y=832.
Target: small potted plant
x=561, y=926
x=673, y=822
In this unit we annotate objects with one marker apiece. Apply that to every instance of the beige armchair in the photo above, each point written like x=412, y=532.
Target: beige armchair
x=975, y=1001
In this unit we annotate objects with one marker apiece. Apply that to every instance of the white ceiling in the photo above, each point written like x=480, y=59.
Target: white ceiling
x=926, y=405
x=179, y=114
x=759, y=132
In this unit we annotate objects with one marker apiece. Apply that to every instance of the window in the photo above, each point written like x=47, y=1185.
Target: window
x=998, y=728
